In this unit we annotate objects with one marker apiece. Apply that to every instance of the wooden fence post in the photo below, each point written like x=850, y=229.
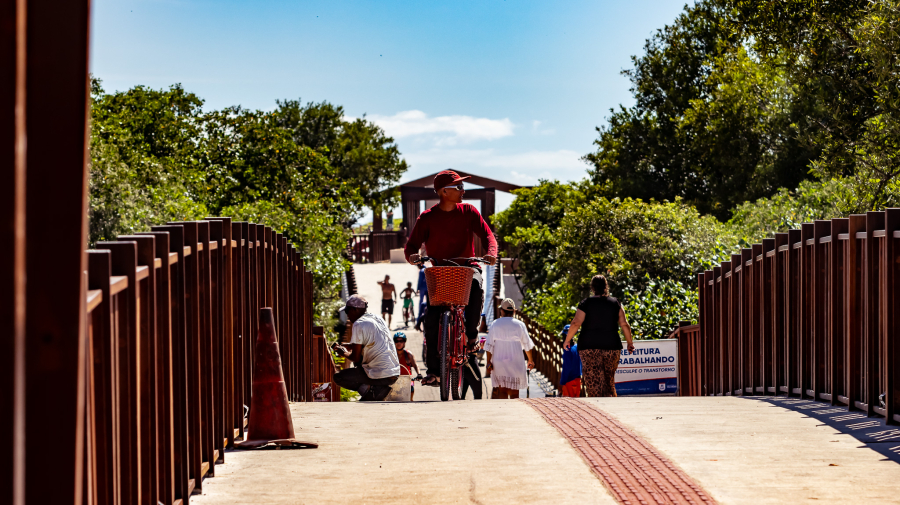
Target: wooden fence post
x=819, y=324
x=890, y=349
x=145, y=289
x=49, y=81
x=779, y=316
x=238, y=334
x=874, y=223
x=835, y=311
x=757, y=333
x=768, y=317
x=124, y=264
x=724, y=284
x=178, y=318
x=164, y=263
x=794, y=308
x=106, y=379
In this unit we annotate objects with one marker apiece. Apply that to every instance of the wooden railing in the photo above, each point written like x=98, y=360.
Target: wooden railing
x=374, y=246
x=172, y=322
x=352, y=285
x=814, y=312
x=688, y=336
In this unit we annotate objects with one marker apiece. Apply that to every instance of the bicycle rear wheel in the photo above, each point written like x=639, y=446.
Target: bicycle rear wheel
x=445, y=347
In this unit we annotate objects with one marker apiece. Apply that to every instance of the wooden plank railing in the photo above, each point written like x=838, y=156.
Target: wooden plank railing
x=688, y=336
x=374, y=246
x=813, y=313
x=352, y=285
x=172, y=321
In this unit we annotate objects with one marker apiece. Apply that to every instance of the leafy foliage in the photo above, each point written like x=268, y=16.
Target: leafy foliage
x=630, y=241
x=660, y=307
x=762, y=115
x=563, y=236
x=842, y=57
x=358, y=149
x=786, y=210
x=143, y=164
x=710, y=125
x=529, y=224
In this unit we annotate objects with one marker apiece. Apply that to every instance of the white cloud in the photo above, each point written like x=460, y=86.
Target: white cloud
x=444, y=130
x=536, y=128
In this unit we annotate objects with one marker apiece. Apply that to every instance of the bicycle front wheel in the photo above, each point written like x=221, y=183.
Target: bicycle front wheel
x=445, y=346
x=455, y=383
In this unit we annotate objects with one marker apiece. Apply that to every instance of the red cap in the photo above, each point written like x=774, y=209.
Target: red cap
x=446, y=178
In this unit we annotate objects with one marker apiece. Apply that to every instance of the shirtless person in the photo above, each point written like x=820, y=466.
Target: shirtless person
x=388, y=298
x=408, y=313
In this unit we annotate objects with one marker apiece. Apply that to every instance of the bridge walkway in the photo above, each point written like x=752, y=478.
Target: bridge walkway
x=740, y=450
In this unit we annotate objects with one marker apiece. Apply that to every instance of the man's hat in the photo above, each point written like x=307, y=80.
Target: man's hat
x=508, y=304
x=356, y=302
x=446, y=178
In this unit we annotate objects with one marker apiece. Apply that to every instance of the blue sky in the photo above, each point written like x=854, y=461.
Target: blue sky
x=507, y=89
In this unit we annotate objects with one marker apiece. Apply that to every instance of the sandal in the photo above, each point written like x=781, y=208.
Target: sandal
x=431, y=380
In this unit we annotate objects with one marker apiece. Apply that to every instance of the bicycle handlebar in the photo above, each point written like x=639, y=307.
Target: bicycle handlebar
x=423, y=259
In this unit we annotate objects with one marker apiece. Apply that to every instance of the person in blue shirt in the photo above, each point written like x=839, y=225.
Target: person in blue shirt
x=570, y=379
x=422, y=286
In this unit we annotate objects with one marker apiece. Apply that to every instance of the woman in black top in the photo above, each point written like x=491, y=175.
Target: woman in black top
x=599, y=346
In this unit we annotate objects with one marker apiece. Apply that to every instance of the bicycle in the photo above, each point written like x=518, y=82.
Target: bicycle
x=408, y=314
x=449, y=286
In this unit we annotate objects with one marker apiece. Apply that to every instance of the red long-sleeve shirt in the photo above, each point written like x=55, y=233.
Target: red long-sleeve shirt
x=449, y=235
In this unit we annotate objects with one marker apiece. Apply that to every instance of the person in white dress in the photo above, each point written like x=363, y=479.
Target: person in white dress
x=506, y=340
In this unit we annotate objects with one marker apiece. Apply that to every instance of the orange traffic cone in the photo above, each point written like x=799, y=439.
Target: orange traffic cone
x=270, y=416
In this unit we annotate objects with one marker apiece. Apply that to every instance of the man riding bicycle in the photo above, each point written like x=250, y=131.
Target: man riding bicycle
x=448, y=231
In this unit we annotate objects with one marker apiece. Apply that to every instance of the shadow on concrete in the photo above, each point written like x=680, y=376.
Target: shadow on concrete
x=870, y=431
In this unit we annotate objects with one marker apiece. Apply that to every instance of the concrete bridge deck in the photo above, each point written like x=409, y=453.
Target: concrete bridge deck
x=740, y=450
x=753, y=450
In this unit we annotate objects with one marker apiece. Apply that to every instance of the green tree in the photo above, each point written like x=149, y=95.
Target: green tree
x=786, y=210
x=842, y=56
x=631, y=241
x=156, y=156
x=256, y=171
x=711, y=124
x=563, y=236
x=143, y=161
x=529, y=223
x=642, y=153
x=359, y=149
x=656, y=311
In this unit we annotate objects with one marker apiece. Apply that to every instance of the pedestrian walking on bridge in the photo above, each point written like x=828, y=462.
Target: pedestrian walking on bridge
x=570, y=378
x=599, y=316
x=388, y=299
x=506, y=340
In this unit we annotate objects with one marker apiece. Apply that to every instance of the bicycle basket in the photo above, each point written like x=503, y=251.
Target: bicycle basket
x=449, y=285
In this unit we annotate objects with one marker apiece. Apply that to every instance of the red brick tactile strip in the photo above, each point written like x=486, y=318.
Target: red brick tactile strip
x=632, y=469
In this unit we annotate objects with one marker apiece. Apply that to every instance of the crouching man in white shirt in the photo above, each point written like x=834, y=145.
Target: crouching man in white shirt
x=371, y=350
